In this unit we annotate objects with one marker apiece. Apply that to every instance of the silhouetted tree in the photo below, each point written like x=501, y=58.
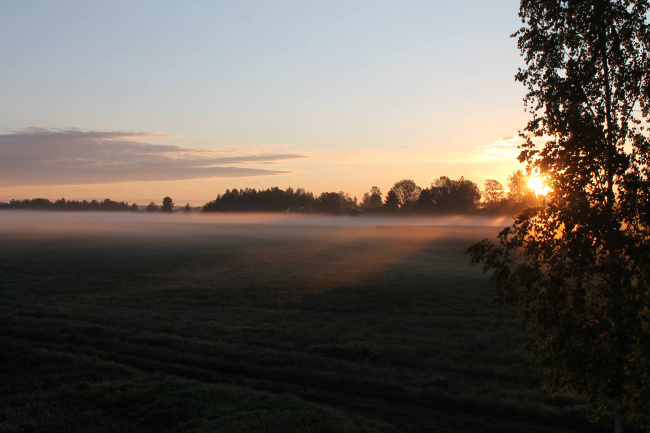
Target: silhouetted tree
x=109, y=205
x=407, y=192
x=60, y=204
x=518, y=190
x=167, y=205
x=152, y=207
x=302, y=198
x=269, y=200
x=493, y=194
x=35, y=203
x=468, y=195
x=578, y=267
x=347, y=202
x=68, y=205
x=441, y=193
x=392, y=202
x=454, y=196
x=372, y=199
x=425, y=204
x=328, y=202
x=187, y=208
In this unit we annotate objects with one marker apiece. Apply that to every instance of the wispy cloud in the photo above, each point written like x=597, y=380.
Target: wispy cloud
x=504, y=148
x=500, y=149
x=41, y=156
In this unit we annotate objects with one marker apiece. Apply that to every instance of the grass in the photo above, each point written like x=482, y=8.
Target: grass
x=202, y=327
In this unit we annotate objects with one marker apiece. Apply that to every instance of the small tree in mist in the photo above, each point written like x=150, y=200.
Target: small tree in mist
x=493, y=194
x=167, y=205
x=578, y=267
x=152, y=207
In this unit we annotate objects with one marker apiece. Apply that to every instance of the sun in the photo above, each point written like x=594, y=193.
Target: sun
x=537, y=184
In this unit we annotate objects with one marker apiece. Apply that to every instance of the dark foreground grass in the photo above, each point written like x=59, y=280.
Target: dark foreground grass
x=253, y=327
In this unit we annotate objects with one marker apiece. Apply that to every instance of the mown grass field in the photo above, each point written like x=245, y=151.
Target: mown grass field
x=109, y=325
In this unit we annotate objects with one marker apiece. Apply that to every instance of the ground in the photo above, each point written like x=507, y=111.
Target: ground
x=136, y=324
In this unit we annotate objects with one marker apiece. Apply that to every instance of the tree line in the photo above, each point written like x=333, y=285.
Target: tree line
x=70, y=205
x=106, y=205
x=443, y=196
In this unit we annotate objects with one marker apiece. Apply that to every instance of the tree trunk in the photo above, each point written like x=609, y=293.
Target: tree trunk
x=619, y=417
x=610, y=240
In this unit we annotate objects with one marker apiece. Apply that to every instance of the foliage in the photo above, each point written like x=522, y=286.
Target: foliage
x=152, y=207
x=407, y=193
x=391, y=204
x=518, y=190
x=269, y=200
x=347, y=202
x=167, y=205
x=62, y=204
x=425, y=202
x=328, y=202
x=372, y=200
x=451, y=196
x=444, y=196
x=578, y=267
x=493, y=194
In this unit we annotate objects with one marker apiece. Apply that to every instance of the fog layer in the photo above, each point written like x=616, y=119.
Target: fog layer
x=71, y=223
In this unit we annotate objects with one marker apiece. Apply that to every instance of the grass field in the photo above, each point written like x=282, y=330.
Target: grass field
x=243, y=324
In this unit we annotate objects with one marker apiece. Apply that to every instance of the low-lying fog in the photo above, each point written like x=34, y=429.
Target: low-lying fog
x=70, y=223
x=312, y=251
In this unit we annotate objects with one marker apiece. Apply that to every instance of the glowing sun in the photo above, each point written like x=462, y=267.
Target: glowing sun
x=536, y=184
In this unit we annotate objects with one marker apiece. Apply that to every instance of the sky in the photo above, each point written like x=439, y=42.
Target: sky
x=137, y=100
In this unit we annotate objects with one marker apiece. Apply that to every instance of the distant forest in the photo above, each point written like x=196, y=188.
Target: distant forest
x=443, y=196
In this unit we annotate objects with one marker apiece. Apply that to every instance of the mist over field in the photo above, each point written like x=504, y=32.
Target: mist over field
x=70, y=223
x=338, y=249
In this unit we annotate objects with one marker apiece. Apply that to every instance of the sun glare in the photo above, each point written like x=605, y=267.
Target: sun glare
x=536, y=184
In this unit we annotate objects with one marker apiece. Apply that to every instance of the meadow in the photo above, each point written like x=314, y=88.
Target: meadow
x=135, y=323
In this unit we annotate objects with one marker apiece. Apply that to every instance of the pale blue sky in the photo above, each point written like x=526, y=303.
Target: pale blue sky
x=365, y=92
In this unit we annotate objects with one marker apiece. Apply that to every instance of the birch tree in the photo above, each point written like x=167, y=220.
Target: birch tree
x=578, y=267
